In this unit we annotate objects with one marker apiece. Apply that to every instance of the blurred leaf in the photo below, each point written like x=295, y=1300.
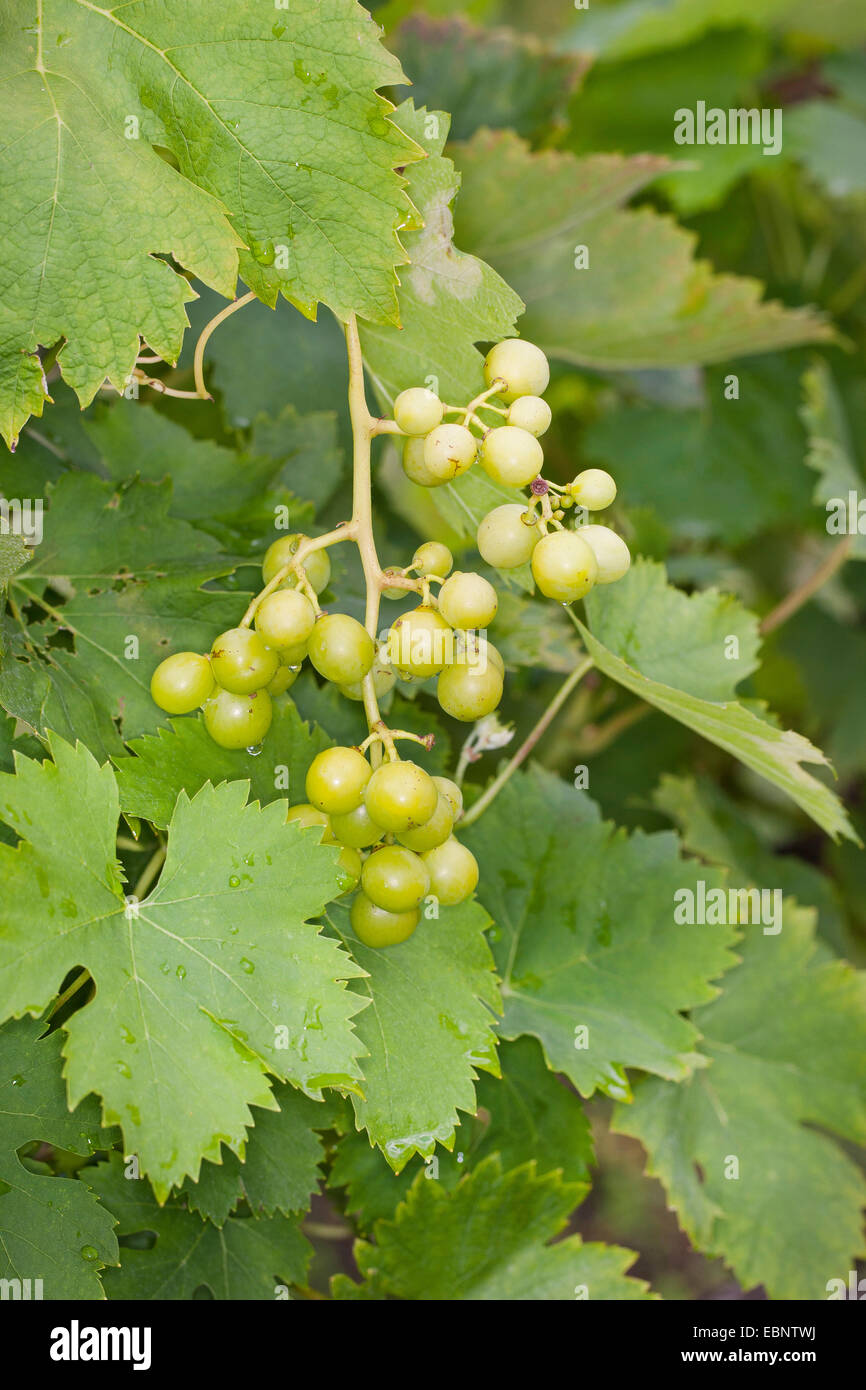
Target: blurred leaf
x=643, y=301
x=831, y=454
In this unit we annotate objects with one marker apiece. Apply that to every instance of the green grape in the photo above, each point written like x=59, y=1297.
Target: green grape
x=294, y=656
x=285, y=619
x=395, y=878
x=238, y=721
x=511, y=456
x=377, y=927
x=415, y=466
x=520, y=366
x=341, y=649
x=468, y=693
x=435, y=832
x=593, y=489
x=433, y=558
x=420, y=644
x=453, y=872
x=610, y=550
x=182, y=682
x=530, y=413
x=452, y=792
x=384, y=679
x=349, y=864
x=564, y=565
x=283, y=680
x=306, y=815
x=241, y=662
x=394, y=591
x=472, y=649
x=504, y=539
x=468, y=601
x=317, y=566
x=336, y=779
x=356, y=829
x=417, y=410
x=401, y=795
x=449, y=451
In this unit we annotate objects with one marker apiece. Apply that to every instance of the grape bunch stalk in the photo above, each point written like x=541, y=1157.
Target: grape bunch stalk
x=393, y=822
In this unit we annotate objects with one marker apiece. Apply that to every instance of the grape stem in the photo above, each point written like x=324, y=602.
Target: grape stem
x=294, y=566
x=198, y=361
x=532, y=738
x=795, y=600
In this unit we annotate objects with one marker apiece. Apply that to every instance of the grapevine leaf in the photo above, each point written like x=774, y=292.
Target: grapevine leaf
x=791, y=1220
x=593, y=963
x=183, y=757
x=94, y=99
x=831, y=454
x=243, y=488
x=681, y=669
x=126, y=570
x=51, y=1229
x=488, y=1239
x=829, y=140
x=643, y=301
x=247, y=1258
x=726, y=468
x=217, y=973
x=428, y=1033
x=279, y=1168
x=715, y=828
x=527, y=1113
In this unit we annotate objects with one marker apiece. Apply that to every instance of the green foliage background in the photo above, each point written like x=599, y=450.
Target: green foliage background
x=431, y=1130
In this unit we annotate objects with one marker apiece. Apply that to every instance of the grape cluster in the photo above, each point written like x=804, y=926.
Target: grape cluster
x=392, y=820
x=565, y=563
x=403, y=818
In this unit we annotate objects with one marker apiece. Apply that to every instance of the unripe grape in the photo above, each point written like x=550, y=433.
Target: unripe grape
x=611, y=552
x=436, y=830
x=593, y=489
x=449, y=450
x=433, y=558
x=415, y=467
x=420, y=644
x=564, y=565
x=504, y=540
x=341, y=649
x=453, y=872
x=384, y=679
x=305, y=815
x=511, y=456
x=182, y=682
x=468, y=692
x=417, y=410
x=468, y=601
x=238, y=721
x=283, y=680
x=241, y=662
x=317, y=565
x=336, y=779
x=349, y=864
x=530, y=413
x=452, y=793
x=401, y=795
x=472, y=649
x=376, y=927
x=285, y=619
x=356, y=828
x=520, y=366
x=294, y=656
x=395, y=878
